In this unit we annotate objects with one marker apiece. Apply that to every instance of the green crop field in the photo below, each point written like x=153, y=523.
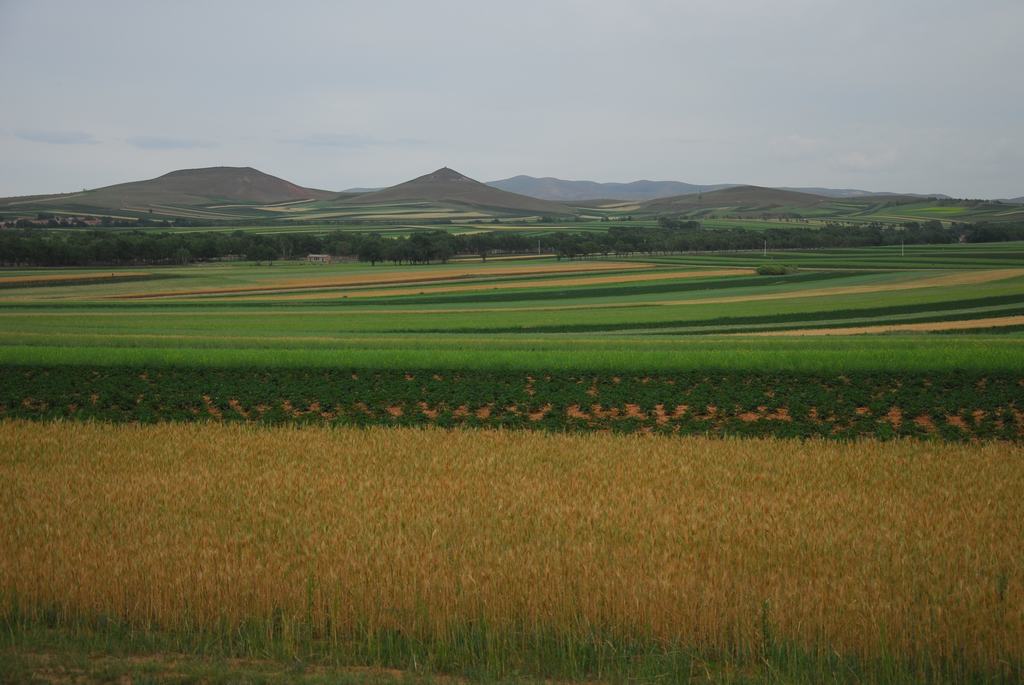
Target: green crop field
x=709, y=422
x=912, y=320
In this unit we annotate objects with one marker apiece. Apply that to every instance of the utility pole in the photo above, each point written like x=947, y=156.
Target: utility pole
x=765, y=247
x=902, y=252
x=538, y=246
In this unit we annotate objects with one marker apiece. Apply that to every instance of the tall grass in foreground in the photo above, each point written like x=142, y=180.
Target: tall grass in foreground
x=500, y=552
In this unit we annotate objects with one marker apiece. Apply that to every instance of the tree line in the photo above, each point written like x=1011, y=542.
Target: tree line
x=41, y=247
x=47, y=220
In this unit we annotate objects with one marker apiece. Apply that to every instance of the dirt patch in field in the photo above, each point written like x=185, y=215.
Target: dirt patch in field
x=540, y=413
x=933, y=326
x=925, y=422
x=428, y=411
x=211, y=408
x=957, y=421
x=895, y=417
x=574, y=412
x=662, y=416
x=762, y=414
x=238, y=408
x=633, y=411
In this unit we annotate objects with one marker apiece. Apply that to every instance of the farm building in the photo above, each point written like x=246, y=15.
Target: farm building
x=318, y=258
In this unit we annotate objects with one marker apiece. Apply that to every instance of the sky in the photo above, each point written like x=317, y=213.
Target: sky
x=897, y=95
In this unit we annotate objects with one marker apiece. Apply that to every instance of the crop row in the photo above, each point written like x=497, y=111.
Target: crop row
x=947, y=310
x=86, y=279
x=947, y=405
x=625, y=288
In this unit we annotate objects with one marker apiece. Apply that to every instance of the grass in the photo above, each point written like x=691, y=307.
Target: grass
x=492, y=554
x=54, y=656
x=667, y=323
x=906, y=353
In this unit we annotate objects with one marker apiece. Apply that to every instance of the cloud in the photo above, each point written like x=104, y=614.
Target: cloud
x=798, y=146
x=865, y=162
x=349, y=140
x=162, y=143
x=58, y=137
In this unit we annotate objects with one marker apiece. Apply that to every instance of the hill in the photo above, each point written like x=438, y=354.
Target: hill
x=447, y=186
x=359, y=191
x=830, y=192
x=748, y=198
x=560, y=190
x=855, y=193
x=185, y=188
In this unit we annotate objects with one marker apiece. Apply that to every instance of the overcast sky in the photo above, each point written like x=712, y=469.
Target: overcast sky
x=902, y=95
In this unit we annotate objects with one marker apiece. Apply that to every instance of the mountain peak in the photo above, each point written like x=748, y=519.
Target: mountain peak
x=445, y=185
x=214, y=170
x=200, y=187
x=445, y=174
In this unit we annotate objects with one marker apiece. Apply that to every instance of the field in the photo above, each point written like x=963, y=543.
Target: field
x=641, y=468
x=491, y=554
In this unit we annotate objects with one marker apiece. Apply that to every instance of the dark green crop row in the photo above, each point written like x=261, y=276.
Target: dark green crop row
x=937, y=317
x=98, y=279
x=946, y=405
x=942, y=308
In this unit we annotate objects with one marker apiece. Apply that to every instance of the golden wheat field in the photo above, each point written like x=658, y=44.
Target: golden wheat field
x=910, y=550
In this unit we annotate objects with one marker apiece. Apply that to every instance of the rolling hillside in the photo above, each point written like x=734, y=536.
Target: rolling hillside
x=855, y=193
x=216, y=195
x=560, y=190
x=748, y=198
x=183, y=188
x=447, y=186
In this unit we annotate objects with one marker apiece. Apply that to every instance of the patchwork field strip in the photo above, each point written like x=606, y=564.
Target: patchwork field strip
x=957, y=279
x=931, y=326
x=389, y=278
x=491, y=285
x=85, y=277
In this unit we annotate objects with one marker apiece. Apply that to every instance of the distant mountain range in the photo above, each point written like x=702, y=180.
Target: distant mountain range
x=559, y=190
x=216, y=192
x=853, y=192
x=234, y=193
